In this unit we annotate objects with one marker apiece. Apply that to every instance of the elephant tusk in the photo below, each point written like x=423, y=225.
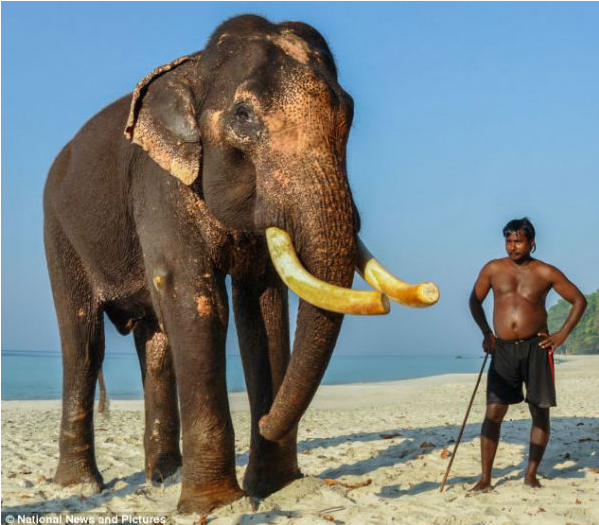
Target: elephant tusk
x=377, y=276
x=313, y=290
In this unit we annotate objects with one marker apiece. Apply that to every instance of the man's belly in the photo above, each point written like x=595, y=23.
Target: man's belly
x=518, y=319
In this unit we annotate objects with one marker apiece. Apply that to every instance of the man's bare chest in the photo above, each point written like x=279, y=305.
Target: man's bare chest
x=520, y=284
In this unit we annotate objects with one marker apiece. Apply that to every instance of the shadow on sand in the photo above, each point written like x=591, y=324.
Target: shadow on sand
x=584, y=431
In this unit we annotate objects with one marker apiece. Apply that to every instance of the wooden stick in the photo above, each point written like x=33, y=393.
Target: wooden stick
x=463, y=424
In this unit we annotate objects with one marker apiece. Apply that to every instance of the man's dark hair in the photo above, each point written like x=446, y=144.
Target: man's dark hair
x=523, y=224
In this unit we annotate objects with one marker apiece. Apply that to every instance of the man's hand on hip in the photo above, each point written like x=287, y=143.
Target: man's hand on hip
x=553, y=341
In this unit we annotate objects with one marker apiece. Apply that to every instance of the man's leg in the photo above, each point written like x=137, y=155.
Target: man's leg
x=489, y=439
x=539, y=436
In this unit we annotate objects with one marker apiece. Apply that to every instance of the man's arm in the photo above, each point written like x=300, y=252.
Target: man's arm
x=478, y=295
x=574, y=296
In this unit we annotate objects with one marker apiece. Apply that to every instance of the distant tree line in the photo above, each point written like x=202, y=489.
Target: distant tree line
x=584, y=339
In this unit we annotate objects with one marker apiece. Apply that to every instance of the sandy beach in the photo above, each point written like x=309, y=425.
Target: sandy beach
x=370, y=453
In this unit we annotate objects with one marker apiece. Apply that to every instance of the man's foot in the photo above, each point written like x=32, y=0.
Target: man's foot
x=532, y=481
x=482, y=486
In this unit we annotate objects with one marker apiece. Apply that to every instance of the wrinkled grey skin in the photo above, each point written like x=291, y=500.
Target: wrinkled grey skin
x=144, y=227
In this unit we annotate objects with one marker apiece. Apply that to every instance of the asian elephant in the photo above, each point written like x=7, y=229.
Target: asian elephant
x=165, y=192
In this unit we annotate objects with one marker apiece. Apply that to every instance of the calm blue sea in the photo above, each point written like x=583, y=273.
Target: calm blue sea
x=38, y=374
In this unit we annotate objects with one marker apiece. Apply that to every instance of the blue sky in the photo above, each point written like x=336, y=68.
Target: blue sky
x=466, y=115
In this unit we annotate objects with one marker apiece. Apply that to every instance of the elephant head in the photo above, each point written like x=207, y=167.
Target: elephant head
x=257, y=124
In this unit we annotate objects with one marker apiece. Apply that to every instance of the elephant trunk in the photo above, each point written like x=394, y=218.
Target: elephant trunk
x=329, y=254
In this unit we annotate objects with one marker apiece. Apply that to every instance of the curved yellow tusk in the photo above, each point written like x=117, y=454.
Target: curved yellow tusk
x=377, y=276
x=313, y=290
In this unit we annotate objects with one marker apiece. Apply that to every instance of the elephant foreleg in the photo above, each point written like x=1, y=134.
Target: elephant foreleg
x=161, y=436
x=262, y=319
x=194, y=313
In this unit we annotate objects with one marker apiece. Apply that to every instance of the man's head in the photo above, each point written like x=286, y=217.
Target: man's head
x=519, y=239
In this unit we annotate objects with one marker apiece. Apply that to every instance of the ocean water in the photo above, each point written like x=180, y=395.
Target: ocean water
x=38, y=374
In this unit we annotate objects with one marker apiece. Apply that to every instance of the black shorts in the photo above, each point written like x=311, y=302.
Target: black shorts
x=517, y=362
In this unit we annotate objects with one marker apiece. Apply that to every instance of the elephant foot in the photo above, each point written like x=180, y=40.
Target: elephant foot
x=262, y=482
x=79, y=472
x=161, y=466
x=203, y=500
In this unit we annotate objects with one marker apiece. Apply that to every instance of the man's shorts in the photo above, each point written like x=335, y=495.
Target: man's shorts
x=517, y=362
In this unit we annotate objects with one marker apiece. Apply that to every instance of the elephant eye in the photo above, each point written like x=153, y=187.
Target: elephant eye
x=242, y=112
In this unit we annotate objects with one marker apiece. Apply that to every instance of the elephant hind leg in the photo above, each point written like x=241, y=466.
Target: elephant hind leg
x=162, y=428
x=82, y=339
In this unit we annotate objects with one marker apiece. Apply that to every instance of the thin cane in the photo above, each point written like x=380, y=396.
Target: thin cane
x=463, y=424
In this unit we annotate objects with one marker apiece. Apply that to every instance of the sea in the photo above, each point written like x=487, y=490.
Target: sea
x=38, y=374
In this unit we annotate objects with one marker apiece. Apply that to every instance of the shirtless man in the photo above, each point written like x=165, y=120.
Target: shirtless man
x=521, y=346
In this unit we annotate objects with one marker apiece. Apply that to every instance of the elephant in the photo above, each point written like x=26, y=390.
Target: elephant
x=215, y=162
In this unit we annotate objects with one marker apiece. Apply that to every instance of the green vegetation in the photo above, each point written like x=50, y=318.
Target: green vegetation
x=585, y=337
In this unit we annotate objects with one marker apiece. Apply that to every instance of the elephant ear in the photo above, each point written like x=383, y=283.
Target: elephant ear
x=162, y=118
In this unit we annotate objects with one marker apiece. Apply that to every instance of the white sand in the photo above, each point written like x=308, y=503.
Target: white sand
x=341, y=439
